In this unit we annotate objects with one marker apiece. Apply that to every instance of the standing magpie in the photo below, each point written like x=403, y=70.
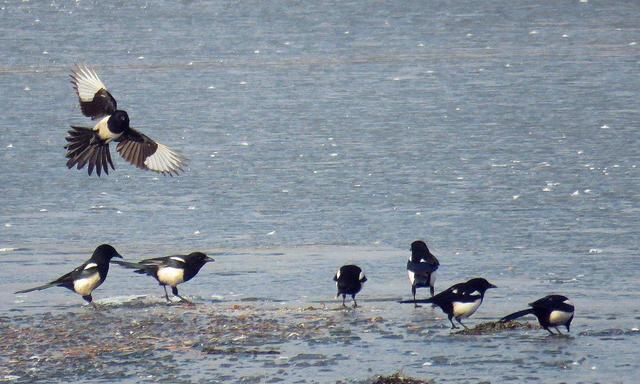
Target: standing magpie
x=349, y=280
x=551, y=311
x=461, y=300
x=170, y=270
x=87, y=277
x=91, y=145
x=421, y=268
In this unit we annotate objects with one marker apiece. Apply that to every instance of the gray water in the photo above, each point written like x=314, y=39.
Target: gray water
x=503, y=133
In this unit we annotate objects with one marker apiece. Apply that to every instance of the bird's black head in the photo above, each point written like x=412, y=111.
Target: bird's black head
x=197, y=259
x=105, y=252
x=118, y=121
x=479, y=284
x=420, y=251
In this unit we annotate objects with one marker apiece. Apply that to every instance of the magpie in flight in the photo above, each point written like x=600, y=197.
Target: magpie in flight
x=460, y=300
x=170, y=270
x=91, y=145
x=349, y=280
x=421, y=268
x=87, y=277
x=551, y=311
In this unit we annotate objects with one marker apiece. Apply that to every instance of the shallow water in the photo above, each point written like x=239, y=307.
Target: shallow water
x=504, y=134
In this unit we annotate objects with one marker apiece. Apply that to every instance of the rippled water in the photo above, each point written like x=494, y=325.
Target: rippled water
x=503, y=133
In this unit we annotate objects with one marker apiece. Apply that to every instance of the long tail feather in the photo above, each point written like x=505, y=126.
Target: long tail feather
x=139, y=268
x=39, y=288
x=516, y=315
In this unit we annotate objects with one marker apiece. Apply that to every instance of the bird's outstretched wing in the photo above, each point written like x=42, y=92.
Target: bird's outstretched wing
x=95, y=100
x=145, y=153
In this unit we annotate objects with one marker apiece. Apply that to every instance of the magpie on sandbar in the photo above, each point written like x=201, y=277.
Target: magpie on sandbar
x=460, y=300
x=170, y=270
x=349, y=280
x=91, y=145
x=551, y=311
x=87, y=277
x=421, y=268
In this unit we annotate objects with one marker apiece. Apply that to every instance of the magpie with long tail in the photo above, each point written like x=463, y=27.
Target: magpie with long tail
x=551, y=311
x=87, y=277
x=421, y=268
x=349, y=280
x=460, y=300
x=90, y=146
x=170, y=270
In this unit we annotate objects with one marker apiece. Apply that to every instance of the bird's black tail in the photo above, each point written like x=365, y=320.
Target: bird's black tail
x=419, y=301
x=516, y=315
x=38, y=288
x=85, y=147
x=138, y=268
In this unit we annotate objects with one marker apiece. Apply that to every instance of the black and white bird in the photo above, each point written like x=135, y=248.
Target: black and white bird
x=349, y=280
x=87, y=277
x=551, y=311
x=91, y=145
x=421, y=268
x=461, y=300
x=170, y=270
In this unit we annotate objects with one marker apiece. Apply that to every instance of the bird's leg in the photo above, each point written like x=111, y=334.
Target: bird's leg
x=355, y=303
x=453, y=326
x=166, y=295
x=559, y=333
x=89, y=300
x=459, y=321
x=432, y=289
x=548, y=330
x=343, y=298
x=413, y=291
x=174, y=290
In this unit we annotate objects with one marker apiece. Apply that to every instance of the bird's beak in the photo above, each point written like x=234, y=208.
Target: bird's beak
x=209, y=259
x=492, y=286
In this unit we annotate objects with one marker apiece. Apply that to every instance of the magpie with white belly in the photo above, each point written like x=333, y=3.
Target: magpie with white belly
x=170, y=270
x=87, y=277
x=421, y=268
x=91, y=145
x=461, y=300
x=349, y=280
x=551, y=311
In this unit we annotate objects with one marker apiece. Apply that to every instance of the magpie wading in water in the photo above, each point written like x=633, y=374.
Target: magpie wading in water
x=460, y=300
x=551, y=311
x=421, y=268
x=87, y=277
x=90, y=146
x=349, y=280
x=170, y=270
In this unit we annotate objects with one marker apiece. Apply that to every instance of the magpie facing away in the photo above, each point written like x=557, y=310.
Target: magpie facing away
x=87, y=277
x=421, y=268
x=461, y=300
x=349, y=280
x=170, y=270
x=91, y=145
x=551, y=311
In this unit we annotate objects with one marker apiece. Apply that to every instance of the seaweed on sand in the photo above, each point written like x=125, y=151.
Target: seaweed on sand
x=495, y=327
x=398, y=378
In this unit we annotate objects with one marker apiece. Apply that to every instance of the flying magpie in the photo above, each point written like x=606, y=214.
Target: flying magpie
x=87, y=277
x=170, y=270
x=421, y=268
x=551, y=311
x=460, y=300
x=91, y=145
x=349, y=280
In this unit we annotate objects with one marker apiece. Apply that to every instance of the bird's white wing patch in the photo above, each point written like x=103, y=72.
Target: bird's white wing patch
x=165, y=160
x=338, y=275
x=361, y=276
x=86, y=285
x=90, y=265
x=177, y=258
x=87, y=83
x=171, y=276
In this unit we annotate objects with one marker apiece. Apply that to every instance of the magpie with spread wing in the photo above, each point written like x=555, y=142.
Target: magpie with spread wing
x=90, y=146
x=421, y=268
x=170, y=270
x=87, y=277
